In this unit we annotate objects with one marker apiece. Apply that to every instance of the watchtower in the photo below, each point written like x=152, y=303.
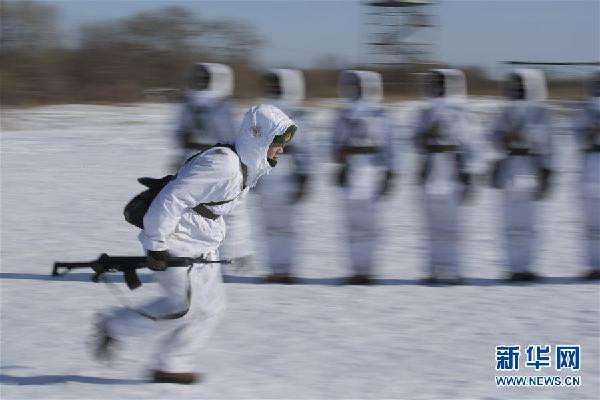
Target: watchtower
x=395, y=32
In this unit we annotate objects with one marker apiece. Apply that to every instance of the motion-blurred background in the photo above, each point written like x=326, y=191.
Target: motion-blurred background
x=120, y=51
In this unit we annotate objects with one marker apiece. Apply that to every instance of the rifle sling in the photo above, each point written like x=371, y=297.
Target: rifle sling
x=202, y=208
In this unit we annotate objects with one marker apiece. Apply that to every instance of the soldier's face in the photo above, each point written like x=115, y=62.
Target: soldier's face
x=274, y=152
x=271, y=87
x=350, y=88
x=515, y=89
x=435, y=85
x=199, y=78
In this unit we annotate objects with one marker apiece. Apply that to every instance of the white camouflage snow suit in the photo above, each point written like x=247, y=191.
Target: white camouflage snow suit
x=362, y=142
x=193, y=298
x=283, y=187
x=522, y=133
x=587, y=133
x=443, y=134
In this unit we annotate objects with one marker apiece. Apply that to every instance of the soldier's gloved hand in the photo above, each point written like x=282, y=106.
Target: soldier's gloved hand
x=467, y=192
x=544, y=185
x=342, y=176
x=157, y=260
x=301, y=180
x=387, y=185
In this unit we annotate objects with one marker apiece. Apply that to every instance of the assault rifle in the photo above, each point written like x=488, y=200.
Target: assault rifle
x=126, y=264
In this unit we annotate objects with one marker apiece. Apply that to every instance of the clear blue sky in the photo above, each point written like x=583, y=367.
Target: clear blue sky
x=475, y=32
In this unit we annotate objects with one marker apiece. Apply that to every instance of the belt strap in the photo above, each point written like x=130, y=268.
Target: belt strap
x=441, y=148
x=518, y=151
x=205, y=212
x=352, y=150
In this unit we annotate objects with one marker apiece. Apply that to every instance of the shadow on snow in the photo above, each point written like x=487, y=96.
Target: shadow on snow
x=333, y=281
x=54, y=379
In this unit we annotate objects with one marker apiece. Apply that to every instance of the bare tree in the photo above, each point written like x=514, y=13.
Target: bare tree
x=29, y=52
x=27, y=26
x=112, y=60
x=230, y=40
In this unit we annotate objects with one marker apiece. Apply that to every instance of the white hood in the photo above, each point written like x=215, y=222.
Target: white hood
x=371, y=88
x=291, y=85
x=260, y=126
x=534, y=83
x=220, y=85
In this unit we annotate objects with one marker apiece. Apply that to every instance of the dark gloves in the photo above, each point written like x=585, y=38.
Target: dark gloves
x=302, y=181
x=467, y=192
x=342, y=176
x=544, y=175
x=496, y=174
x=387, y=184
x=157, y=260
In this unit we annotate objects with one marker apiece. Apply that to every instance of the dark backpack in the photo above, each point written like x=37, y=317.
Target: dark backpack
x=137, y=207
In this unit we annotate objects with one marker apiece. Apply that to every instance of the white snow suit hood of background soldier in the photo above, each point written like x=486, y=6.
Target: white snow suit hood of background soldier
x=369, y=85
x=220, y=84
x=213, y=176
x=454, y=85
x=291, y=87
x=534, y=83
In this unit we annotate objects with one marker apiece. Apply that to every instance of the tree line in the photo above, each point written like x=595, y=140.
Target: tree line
x=113, y=60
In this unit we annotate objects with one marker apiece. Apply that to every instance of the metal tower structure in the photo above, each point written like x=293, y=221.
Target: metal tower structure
x=393, y=28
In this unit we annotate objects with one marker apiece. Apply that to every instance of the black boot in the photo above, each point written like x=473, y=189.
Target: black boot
x=359, y=279
x=523, y=277
x=104, y=345
x=182, y=378
x=429, y=280
x=284, y=279
x=592, y=275
x=451, y=280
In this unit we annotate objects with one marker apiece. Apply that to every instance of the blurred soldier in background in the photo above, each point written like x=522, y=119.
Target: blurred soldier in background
x=442, y=135
x=587, y=131
x=363, y=145
x=522, y=133
x=283, y=189
x=207, y=118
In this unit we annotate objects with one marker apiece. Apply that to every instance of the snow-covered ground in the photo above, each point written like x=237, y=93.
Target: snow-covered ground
x=67, y=172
